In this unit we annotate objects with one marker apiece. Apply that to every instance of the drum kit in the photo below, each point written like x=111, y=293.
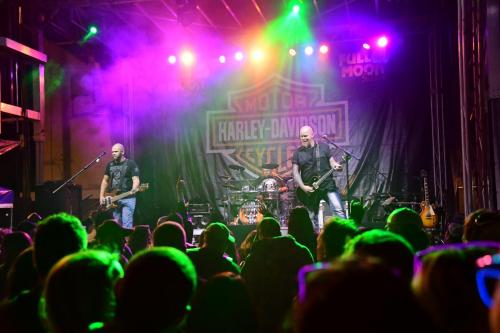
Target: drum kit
x=248, y=200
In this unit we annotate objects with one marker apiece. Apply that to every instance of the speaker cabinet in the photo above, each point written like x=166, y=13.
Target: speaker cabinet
x=68, y=199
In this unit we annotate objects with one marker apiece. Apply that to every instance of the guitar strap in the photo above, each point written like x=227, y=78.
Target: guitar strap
x=316, y=151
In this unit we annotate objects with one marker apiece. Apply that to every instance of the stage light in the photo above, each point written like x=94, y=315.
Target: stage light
x=309, y=50
x=257, y=55
x=292, y=52
x=295, y=9
x=238, y=56
x=172, y=59
x=366, y=46
x=187, y=58
x=222, y=59
x=323, y=49
x=93, y=30
x=382, y=41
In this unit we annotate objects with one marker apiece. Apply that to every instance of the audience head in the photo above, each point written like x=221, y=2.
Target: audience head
x=157, y=287
x=13, y=244
x=481, y=225
x=140, y=238
x=170, y=233
x=217, y=237
x=357, y=212
x=407, y=223
x=446, y=286
x=358, y=295
x=333, y=237
x=80, y=291
x=392, y=249
x=223, y=305
x=111, y=235
x=269, y=227
x=57, y=236
x=22, y=274
x=299, y=222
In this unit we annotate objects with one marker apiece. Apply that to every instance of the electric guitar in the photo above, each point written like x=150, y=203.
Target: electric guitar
x=110, y=198
x=311, y=199
x=427, y=214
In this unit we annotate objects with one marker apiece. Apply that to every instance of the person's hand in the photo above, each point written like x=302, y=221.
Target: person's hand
x=308, y=189
x=338, y=167
x=102, y=200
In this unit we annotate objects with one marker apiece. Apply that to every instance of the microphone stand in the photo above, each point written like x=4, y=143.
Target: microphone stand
x=347, y=157
x=95, y=160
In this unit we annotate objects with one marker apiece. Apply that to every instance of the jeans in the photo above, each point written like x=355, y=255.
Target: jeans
x=335, y=206
x=124, y=214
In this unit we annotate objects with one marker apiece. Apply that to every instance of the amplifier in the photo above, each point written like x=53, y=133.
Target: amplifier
x=194, y=209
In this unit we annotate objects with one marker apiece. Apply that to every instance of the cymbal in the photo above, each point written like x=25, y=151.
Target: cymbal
x=236, y=167
x=269, y=166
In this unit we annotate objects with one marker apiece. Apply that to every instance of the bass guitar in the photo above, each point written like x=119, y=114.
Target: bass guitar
x=311, y=199
x=427, y=214
x=110, y=199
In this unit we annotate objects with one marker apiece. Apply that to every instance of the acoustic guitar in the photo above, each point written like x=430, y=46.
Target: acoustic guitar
x=111, y=198
x=427, y=214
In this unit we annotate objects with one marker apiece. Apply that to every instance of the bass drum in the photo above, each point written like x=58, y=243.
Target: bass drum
x=250, y=212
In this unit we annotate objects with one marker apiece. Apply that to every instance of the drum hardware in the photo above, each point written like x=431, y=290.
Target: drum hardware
x=270, y=166
x=236, y=167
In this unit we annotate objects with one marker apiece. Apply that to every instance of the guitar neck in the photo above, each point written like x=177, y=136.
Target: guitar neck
x=322, y=179
x=426, y=192
x=121, y=196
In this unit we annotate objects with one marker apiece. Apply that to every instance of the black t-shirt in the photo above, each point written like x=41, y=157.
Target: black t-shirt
x=306, y=159
x=120, y=175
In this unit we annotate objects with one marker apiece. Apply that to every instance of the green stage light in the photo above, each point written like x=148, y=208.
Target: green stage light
x=93, y=30
x=295, y=9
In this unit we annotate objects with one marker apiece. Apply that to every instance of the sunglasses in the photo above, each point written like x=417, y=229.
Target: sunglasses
x=304, y=275
x=487, y=277
x=490, y=246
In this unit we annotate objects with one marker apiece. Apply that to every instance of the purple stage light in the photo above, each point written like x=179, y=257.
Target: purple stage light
x=172, y=59
x=238, y=56
x=323, y=49
x=366, y=46
x=382, y=41
x=222, y=59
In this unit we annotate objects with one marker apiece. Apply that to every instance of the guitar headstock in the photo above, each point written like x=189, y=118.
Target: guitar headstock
x=423, y=173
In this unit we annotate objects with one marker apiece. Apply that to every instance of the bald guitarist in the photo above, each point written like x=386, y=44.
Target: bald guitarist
x=121, y=176
x=312, y=168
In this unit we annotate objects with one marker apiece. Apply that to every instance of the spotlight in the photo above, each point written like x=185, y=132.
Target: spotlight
x=309, y=50
x=187, y=58
x=323, y=49
x=366, y=46
x=295, y=9
x=292, y=52
x=382, y=41
x=93, y=30
x=222, y=59
x=257, y=55
x=238, y=56
x=172, y=59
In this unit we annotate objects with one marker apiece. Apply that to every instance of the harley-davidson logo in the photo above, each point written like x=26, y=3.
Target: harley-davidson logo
x=262, y=123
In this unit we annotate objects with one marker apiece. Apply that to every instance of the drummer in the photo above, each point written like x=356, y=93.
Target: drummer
x=270, y=170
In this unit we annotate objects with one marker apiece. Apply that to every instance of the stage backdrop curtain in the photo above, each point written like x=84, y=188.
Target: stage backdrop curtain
x=379, y=114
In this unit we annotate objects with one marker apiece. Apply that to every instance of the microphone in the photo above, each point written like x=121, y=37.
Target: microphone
x=99, y=157
x=324, y=136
